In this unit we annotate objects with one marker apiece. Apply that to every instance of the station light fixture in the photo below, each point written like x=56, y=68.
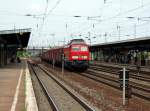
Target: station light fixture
x=76, y=16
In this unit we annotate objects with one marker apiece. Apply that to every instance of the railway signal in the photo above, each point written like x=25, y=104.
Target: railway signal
x=124, y=84
x=121, y=77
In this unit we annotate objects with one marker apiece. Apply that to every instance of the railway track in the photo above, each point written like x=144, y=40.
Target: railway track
x=60, y=97
x=143, y=76
x=50, y=100
x=112, y=80
x=138, y=89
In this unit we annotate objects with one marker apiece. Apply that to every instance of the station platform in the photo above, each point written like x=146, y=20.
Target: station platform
x=14, y=88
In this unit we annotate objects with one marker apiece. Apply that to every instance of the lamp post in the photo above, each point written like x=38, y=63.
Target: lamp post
x=40, y=16
x=105, y=35
x=53, y=35
x=118, y=28
x=138, y=19
x=89, y=37
x=135, y=30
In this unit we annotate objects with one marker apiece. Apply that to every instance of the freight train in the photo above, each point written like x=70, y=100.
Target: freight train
x=74, y=55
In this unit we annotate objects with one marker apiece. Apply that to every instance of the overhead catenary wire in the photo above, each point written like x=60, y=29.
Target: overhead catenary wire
x=115, y=16
x=88, y=27
x=43, y=19
x=47, y=13
x=53, y=8
x=119, y=14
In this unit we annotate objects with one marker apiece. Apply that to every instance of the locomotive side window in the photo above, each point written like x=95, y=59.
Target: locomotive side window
x=84, y=48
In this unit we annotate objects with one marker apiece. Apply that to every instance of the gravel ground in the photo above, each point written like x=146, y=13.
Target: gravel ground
x=100, y=95
x=62, y=99
x=42, y=101
x=131, y=81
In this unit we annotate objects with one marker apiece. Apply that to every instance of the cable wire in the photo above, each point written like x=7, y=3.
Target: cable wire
x=119, y=14
x=53, y=8
x=46, y=15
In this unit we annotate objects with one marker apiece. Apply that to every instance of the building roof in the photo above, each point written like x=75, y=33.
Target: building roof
x=16, y=37
x=137, y=42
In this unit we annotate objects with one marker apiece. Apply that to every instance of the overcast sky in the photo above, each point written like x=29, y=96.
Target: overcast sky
x=100, y=20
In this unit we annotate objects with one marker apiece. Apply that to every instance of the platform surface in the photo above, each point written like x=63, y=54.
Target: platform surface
x=9, y=81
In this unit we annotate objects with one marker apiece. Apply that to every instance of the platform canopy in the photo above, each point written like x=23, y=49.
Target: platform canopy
x=16, y=37
x=137, y=43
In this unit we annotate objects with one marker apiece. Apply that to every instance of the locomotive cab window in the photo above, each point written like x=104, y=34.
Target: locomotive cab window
x=84, y=48
x=75, y=48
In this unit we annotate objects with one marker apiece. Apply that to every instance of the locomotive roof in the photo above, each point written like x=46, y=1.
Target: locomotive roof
x=74, y=41
x=77, y=41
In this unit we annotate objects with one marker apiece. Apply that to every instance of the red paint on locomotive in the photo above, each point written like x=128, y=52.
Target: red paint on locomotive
x=76, y=55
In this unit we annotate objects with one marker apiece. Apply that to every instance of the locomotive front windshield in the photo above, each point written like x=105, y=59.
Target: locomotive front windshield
x=79, y=48
x=84, y=48
x=75, y=48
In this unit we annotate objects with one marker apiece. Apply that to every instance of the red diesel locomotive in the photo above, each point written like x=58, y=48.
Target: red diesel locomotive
x=75, y=55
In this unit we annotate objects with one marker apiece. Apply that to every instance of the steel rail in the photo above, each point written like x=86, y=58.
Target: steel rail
x=115, y=79
x=50, y=100
x=99, y=78
x=113, y=71
x=119, y=68
x=81, y=102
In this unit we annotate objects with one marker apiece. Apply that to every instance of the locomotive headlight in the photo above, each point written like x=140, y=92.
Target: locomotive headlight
x=74, y=57
x=84, y=57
